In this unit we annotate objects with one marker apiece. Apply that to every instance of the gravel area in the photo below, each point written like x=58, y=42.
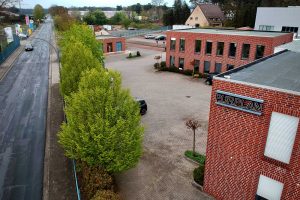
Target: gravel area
x=163, y=172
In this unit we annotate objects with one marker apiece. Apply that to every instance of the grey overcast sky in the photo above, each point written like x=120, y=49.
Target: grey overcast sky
x=77, y=3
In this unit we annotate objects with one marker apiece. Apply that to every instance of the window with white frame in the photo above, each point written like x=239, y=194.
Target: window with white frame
x=268, y=188
x=281, y=137
x=266, y=28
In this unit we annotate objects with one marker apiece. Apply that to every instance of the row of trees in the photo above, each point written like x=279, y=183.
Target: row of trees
x=62, y=20
x=178, y=14
x=103, y=126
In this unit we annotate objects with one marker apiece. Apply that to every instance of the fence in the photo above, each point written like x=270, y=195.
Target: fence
x=134, y=33
x=9, y=49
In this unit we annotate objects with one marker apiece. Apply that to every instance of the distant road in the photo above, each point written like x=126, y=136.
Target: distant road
x=23, y=107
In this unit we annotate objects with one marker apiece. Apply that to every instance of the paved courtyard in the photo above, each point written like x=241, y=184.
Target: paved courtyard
x=163, y=172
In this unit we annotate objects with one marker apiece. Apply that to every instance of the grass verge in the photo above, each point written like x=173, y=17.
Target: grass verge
x=196, y=157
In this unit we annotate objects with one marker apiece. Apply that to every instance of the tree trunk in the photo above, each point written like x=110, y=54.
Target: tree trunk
x=194, y=143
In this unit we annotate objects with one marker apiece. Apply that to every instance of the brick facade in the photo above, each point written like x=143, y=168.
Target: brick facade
x=236, y=144
x=189, y=54
x=113, y=40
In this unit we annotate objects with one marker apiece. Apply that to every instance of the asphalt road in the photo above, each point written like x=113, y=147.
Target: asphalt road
x=23, y=107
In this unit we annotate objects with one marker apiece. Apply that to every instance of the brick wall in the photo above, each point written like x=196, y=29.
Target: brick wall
x=189, y=54
x=114, y=43
x=236, y=144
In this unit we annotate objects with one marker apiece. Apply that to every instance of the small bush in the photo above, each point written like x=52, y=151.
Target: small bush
x=130, y=55
x=163, y=64
x=106, y=195
x=197, y=157
x=93, y=179
x=198, y=174
x=156, y=66
x=174, y=69
x=187, y=72
x=138, y=54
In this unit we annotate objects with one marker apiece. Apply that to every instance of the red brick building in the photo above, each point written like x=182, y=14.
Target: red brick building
x=253, y=147
x=111, y=43
x=217, y=50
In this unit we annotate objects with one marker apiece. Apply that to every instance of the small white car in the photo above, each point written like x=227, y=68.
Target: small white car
x=149, y=36
x=22, y=35
x=28, y=47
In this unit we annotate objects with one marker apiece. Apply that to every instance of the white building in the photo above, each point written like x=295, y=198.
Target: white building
x=285, y=19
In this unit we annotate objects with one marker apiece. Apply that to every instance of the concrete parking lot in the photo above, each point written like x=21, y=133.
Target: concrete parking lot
x=163, y=172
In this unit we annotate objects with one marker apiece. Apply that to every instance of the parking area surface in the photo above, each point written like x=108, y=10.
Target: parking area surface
x=163, y=172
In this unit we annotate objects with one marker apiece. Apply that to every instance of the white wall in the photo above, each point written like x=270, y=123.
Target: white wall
x=278, y=17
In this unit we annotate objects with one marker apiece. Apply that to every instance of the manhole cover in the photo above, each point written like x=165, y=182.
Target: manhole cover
x=188, y=96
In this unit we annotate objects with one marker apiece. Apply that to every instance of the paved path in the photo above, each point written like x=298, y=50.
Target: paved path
x=23, y=106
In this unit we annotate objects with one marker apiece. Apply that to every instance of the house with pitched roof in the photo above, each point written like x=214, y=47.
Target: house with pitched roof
x=206, y=15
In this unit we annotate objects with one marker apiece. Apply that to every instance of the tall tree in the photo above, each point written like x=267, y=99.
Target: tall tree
x=103, y=126
x=85, y=35
x=38, y=12
x=96, y=17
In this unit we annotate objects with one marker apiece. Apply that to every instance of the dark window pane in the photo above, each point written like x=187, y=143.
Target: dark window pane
x=181, y=63
x=173, y=44
x=245, y=51
x=232, y=49
x=197, y=46
x=196, y=66
x=218, y=67
x=208, y=48
x=220, y=48
x=182, y=45
x=260, y=50
x=172, y=61
x=229, y=66
x=206, y=66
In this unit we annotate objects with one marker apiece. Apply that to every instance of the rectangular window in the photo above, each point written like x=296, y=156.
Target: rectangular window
x=289, y=29
x=172, y=61
x=218, y=67
x=268, y=188
x=206, y=66
x=208, y=48
x=260, y=50
x=173, y=44
x=245, y=51
x=281, y=137
x=197, y=46
x=220, y=48
x=196, y=66
x=181, y=44
x=181, y=63
x=229, y=67
x=266, y=28
x=232, y=49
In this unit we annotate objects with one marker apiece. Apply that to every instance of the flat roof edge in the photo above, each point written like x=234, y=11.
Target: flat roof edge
x=259, y=86
x=250, y=64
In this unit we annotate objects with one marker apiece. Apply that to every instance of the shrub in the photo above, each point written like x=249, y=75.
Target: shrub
x=196, y=157
x=130, y=55
x=198, y=174
x=106, y=195
x=163, y=64
x=156, y=65
x=93, y=179
x=174, y=69
x=187, y=72
x=138, y=54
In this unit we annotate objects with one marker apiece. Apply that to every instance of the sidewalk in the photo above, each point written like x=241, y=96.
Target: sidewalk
x=8, y=63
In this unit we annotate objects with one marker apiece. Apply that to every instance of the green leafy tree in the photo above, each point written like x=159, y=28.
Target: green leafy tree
x=96, y=17
x=126, y=22
x=75, y=60
x=118, y=18
x=103, y=126
x=38, y=12
x=85, y=35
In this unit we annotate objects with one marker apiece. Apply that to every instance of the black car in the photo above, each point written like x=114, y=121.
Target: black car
x=209, y=78
x=143, y=106
x=160, y=37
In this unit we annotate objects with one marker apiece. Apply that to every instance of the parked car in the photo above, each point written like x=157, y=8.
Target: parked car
x=143, y=105
x=160, y=37
x=209, y=78
x=28, y=47
x=149, y=36
x=131, y=28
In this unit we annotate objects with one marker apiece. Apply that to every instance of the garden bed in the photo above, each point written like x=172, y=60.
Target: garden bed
x=196, y=157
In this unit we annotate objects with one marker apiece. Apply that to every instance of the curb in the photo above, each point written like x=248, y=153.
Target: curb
x=196, y=185
x=188, y=159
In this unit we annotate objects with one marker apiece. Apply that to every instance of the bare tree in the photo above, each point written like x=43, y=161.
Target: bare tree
x=7, y=3
x=193, y=124
x=157, y=2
